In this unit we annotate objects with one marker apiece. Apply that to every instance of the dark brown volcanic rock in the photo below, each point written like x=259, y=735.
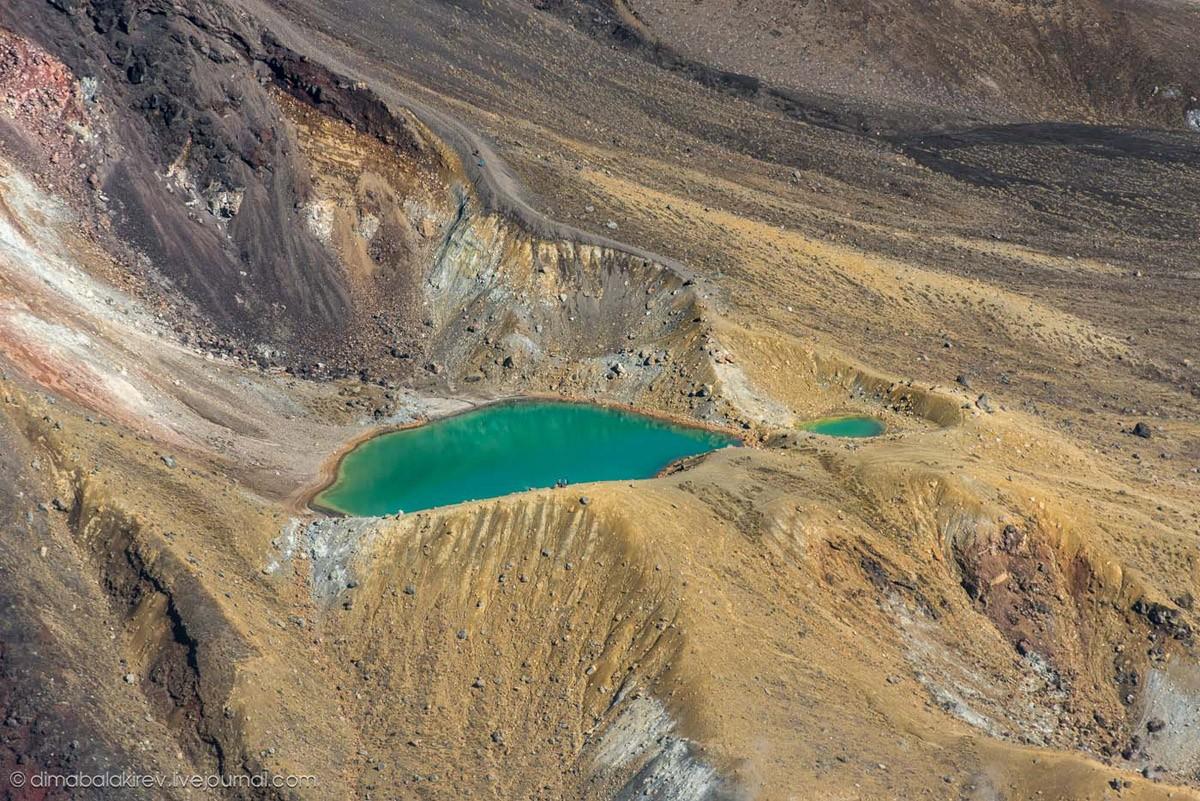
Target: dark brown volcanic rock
x=184, y=101
x=1088, y=60
x=200, y=166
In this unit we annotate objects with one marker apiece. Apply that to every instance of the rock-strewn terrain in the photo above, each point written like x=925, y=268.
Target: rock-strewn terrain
x=236, y=235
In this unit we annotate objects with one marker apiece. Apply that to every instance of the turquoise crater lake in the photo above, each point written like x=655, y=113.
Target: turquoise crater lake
x=503, y=448
x=847, y=426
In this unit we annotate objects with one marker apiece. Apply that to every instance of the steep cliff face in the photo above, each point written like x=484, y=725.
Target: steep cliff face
x=198, y=167
x=477, y=298
x=306, y=224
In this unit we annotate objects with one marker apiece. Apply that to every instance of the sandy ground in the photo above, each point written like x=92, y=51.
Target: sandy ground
x=991, y=601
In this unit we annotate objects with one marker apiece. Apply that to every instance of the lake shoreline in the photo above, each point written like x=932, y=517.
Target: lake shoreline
x=330, y=469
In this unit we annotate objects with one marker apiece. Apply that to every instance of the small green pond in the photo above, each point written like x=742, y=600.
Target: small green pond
x=504, y=448
x=848, y=426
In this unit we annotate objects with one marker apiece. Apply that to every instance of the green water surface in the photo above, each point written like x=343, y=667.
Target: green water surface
x=850, y=426
x=504, y=448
